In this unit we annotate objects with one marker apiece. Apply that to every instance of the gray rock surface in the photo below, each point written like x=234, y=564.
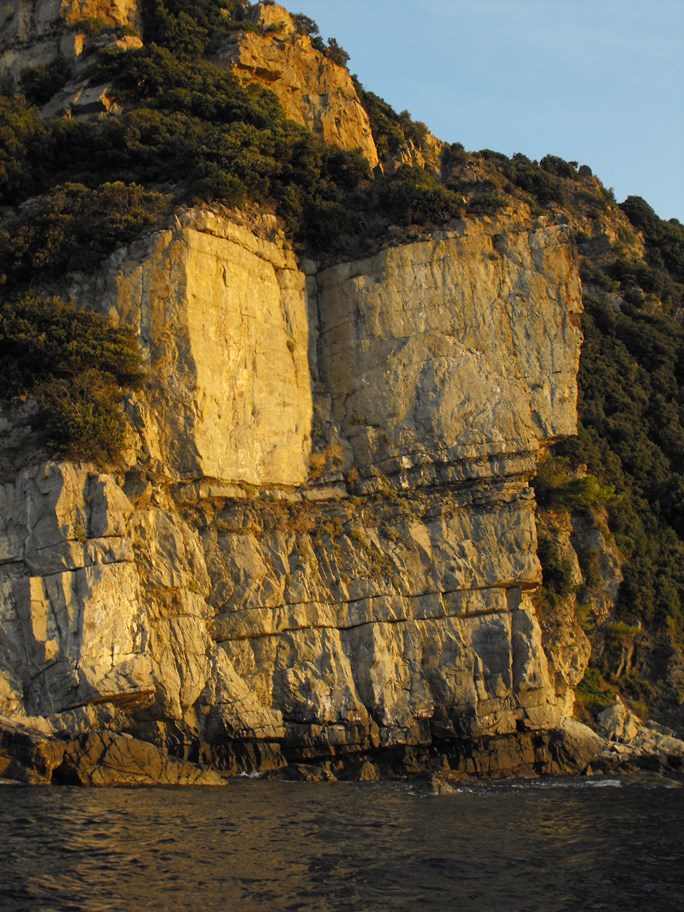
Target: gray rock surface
x=40, y=32
x=321, y=548
x=631, y=743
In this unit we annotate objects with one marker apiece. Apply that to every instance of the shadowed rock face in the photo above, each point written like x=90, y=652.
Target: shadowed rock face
x=384, y=607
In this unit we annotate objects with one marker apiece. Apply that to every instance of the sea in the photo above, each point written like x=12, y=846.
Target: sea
x=274, y=846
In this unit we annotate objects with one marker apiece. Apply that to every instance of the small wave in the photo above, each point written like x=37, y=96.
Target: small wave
x=566, y=783
x=604, y=783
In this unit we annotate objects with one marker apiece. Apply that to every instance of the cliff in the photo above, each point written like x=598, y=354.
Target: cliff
x=37, y=33
x=271, y=618
x=316, y=553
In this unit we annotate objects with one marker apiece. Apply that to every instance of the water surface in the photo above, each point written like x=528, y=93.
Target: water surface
x=259, y=846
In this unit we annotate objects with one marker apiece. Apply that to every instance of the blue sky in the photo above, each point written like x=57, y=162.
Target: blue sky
x=600, y=82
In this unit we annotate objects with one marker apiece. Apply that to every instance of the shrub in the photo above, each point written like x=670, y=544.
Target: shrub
x=557, y=484
x=593, y=692
x=415, y=196
x=391, y=131
x=22, y=141
x=40, y=83
x=556, y=570
x=305, y=26
x=81, y=418
x=77, y=366
x=72, y=227
x=388, y=134
x=558, y=166
x=336, y=53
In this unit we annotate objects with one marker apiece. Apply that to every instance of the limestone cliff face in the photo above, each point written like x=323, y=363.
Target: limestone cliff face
x=449, y=331
x=243, y=614
x=313, y=90
x=222, y=317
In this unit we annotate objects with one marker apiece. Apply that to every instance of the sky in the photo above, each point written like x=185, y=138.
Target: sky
x=600, y=82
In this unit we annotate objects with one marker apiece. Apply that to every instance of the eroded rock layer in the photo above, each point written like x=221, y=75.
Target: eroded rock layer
x=37, y=33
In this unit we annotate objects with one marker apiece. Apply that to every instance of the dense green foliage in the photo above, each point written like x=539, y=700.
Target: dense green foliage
x=594, y=692
x=391, y=131
x=415, y=196
x=77, y=367
x=72, y=227
x=558, y=579
x=558, y=484
x=187, y=124
x=632, y=433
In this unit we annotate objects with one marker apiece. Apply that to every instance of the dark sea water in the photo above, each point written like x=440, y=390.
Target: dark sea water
x=280, y=846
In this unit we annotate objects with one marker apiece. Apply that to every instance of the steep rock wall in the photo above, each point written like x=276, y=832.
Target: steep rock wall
x=222, y=317
x=254, y=617
x=461, y=348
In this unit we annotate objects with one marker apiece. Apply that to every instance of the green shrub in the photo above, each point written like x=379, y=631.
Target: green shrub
x=558, y=485
x=73, y=227
x=82, y=418
x=556, y=570
x=77, y=366
x=593, y=691
x=336, y=53
x=40, y=83
x=391, y=131
x=415, y=196
x=558, y=166
x=631, y=438
x=22, y=158
x=305, y=26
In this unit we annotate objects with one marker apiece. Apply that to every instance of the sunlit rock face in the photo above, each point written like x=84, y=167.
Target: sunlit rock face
x=313, y=90
x=322, y=545
x=458, y=351
x=222, y=317
x=39, y=32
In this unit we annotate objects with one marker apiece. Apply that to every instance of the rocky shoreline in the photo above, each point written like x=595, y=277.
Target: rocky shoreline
x=40, y=754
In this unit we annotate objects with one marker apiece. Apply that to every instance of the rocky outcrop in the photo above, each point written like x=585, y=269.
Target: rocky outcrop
x=322, y=547
x=630, y=742
x=222, y=317
x=313, y=90
x=585, y=572
x=40, y=32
